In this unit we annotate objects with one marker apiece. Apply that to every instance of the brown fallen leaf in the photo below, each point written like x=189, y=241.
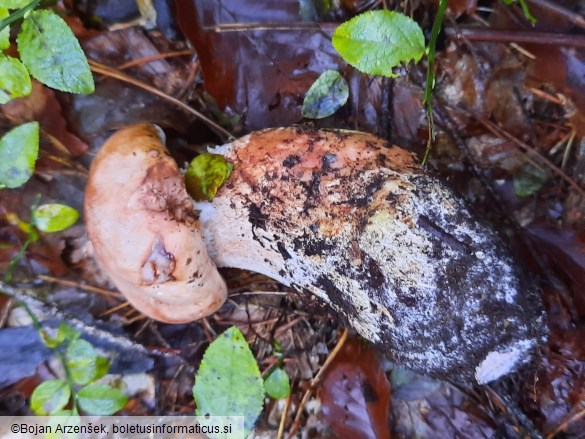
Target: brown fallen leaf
x=355, y=394
x=42, y=105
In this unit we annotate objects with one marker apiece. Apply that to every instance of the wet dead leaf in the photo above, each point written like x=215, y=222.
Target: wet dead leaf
x=264, y=72
x=355, y=394
x=42, y=105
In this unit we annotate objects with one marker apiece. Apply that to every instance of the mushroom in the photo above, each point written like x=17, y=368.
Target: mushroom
x=145, y=232
x=339, y=214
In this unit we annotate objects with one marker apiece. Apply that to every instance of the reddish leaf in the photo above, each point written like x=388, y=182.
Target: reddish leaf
x=43, y=106
x=355, y=394
x=460, y=7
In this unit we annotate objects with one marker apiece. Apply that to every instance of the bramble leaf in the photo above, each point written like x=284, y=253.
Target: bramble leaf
x=4, y=33
x=376, y=42
x=52, y=54
x=14, y=79
x=14, y=4
x=81, y=359
x=228, y=382
x=19, y=149
x=49, y=397
x=101, y=400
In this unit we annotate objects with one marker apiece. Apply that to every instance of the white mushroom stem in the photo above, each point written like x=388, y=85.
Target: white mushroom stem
x=356, y=222
x=339, y=214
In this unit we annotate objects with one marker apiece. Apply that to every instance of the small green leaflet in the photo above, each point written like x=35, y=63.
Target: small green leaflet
x=54, y=217
x=327, y=95
x=52, y=54
x=14, y=79
x=49, y=397
x=528, y=180
x=277, y=384
x=376, y=42
x=81, y=359
x=14, y=4
x=205, y=175
x=63, y=417
x=19, y=149
x=53, y=338
x=4, y=33
x=525, y=10
x=101, y=400
x=228, y=382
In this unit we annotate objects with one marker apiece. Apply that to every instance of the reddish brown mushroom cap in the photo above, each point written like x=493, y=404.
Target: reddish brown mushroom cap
x=145, y=232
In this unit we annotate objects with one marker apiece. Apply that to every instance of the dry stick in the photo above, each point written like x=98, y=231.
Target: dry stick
x=114, y=309
x=566, y=423
x=315, y=381
x=515, y=36
x=112, y=73
x=500, y=132
x=469, y=33
x=71, y=283
x=152, y=58
x=554, y=8
x=546, y=96
x=280, y=433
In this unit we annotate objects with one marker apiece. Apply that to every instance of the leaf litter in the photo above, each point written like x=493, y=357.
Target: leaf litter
x=530, y=92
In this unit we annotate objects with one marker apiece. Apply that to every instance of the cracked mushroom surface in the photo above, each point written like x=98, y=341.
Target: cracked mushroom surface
x=349, y=218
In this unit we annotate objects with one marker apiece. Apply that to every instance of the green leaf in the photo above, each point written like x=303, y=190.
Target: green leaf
x=205, y=175
x=529, y=180
x=376, y=42
x=4, y=33
x=525, y=9
x=327, y=95
x=228, y=382
x=101, y=400
x=19, y=149
x=81, y=359
x=52, y=54
x=14, y=79
x=50, y=397
x=61, y=334
x=54, y=217
x=277, y=384
x=102, y=366
x=14, y=4
x=63, y=417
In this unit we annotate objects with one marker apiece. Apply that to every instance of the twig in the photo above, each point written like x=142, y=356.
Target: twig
x=546, y=96
x=511, y=409
x=71, y=283
x=566, y=423
x=114, y=309
x=555, y=8
x=325, y=27
x=515, y=36
x=315, y=381
x=280, y=433
x=152, y=58
x=112, y=73
x=500, y=132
